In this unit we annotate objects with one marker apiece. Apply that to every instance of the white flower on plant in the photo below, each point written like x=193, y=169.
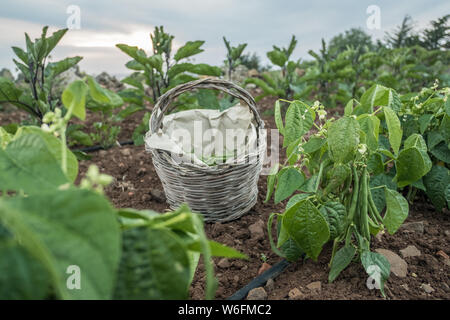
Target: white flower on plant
x=362, y=148
x=316, y=105
x=322, y=114
x=45, y=127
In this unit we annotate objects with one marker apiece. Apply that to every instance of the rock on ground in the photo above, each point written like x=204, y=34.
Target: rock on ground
x=427, y=288
x=417, y=227
x=295, y=294
x=224, y=263
x=315, y=286
x=270, y=284
x=410, y=251
x=399, y=267
x=257, y=294
x=257, y=230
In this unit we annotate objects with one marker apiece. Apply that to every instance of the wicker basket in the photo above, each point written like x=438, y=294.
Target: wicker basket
x=222, y=192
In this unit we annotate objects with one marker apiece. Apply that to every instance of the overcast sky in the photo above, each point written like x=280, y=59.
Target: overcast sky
x=260, y=23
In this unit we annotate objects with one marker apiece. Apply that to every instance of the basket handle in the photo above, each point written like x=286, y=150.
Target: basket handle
x=207, y=83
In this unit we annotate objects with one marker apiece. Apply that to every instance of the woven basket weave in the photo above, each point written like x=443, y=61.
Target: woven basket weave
x=222, y=192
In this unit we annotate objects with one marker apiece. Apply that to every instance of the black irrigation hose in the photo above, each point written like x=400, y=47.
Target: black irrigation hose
x=260, y=280
x=96, y=148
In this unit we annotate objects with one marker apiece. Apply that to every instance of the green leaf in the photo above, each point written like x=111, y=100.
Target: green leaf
x=396, y=212
x=53, y=40
x=341, y=260
x=266, y=87
x=444, y=128
x=314, y=144
x=72, y=227
x=335, y=214
x=378, y=194
x=156, y=62
x=348, y=110
x=156, y=270
x=370, y=125
x=56, y=68
x=207, y=99
x=447, y=195
x=277, y=57
x=375, y=164
x=291, y=250
x=74, y=98
x=442, y=152
x=411, y=164
x=278, y=118
x=298, y=122
x=27, y=165
x=337, y=176
x=343, y=139
x=22, y=276
x=189, y=49
x=5, y=138
x=271, y=179
x=307, y=227
x=296, y=198
x=436, y=182
x=201, y=68
x=377, y=267
x=289, y=181
x=54, y=147
x=378, y=95
x=416, y=140
x=21, y=54
x=218, y=250
x=394, y=128
x=8, y=91
x=134, y=52
x=424, y=122
x=102, y=95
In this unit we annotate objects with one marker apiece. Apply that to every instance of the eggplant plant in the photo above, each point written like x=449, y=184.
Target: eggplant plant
x=156, y=73
x=63, y=241
x=286, y=83
x=39, y=73
x=347, y=198
x=233, y=56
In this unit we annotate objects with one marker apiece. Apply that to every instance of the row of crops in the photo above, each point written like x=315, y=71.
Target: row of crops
x=365, y=168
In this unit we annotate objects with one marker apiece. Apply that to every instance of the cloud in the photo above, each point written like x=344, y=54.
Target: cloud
x=260, y=23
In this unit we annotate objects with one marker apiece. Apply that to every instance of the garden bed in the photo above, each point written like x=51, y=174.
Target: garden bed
x=137, y=186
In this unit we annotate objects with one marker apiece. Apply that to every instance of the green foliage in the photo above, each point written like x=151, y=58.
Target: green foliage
x=234, y=55
x=39, y=73
x=154, y=74
x=342, y=201
x=53, y=232
x=284, y=83
x=162, y=71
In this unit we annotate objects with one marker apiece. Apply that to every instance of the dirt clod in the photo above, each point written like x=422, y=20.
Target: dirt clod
x=410, y=251
x=295, y=294
x=257, y=294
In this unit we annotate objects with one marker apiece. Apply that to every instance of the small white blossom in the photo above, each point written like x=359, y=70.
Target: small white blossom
x=362, y=148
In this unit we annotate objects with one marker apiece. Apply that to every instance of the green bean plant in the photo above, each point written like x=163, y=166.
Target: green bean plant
x=425, y=117
x=343, y=200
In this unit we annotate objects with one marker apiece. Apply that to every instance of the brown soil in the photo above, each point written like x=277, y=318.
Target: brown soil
x=136, y=185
